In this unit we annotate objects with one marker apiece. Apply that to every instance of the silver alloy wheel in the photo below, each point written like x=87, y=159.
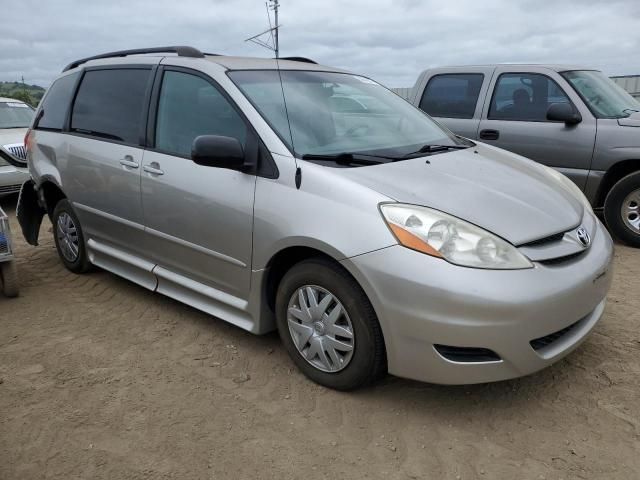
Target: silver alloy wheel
x=320, y=328
x=631, y=211
x=68, y=237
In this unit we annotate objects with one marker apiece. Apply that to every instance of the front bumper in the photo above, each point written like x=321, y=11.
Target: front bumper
x=422, y=301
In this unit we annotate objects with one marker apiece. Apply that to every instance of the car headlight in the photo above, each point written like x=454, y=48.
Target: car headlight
x=444, y=236
x=572, y=187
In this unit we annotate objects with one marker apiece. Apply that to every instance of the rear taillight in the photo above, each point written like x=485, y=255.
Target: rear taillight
x=27, y=140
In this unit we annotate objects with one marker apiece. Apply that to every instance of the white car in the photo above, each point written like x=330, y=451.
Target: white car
x=15, y=118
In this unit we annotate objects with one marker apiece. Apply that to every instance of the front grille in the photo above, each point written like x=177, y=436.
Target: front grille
x=542, y=342
x=467, y=354
x=9, y=189
x=544, y=241
x=560, y=260
x=18, y=151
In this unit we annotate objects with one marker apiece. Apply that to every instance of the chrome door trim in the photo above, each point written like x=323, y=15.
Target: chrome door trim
x=128, y=266
x=192, y=285
x=108, y=216
x=206, y=251
x=120, y=255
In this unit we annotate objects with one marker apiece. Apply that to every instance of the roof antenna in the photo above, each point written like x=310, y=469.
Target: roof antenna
x=272, y=43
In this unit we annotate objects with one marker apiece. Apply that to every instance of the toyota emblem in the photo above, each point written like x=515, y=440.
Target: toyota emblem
x=583, y=236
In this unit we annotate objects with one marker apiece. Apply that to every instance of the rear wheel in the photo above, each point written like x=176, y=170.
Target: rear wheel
x=622, y=209
x=9, y=278
x=69, y=239
x=328, y=326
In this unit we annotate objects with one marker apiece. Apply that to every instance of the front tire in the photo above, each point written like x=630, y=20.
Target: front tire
x=328, y=326
x=622, y=209
x=69, y=238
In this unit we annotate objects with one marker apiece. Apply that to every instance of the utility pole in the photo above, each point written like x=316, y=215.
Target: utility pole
x=272, y=42
x=277, y=43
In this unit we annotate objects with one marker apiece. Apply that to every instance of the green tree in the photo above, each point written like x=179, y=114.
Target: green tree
x=23, y=96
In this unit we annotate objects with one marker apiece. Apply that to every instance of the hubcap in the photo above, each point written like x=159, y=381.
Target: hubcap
x=631, y=211
x=67, y=237
x=320, y=328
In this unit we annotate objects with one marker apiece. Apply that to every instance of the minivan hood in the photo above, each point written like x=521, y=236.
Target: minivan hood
x=506, y=194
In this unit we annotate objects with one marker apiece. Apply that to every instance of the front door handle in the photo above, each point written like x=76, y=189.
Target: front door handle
x=489, y=134
x=128, y=161
x=153, y=168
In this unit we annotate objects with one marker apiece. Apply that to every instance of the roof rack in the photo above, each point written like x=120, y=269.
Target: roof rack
x=299, y=59
x=181, y=51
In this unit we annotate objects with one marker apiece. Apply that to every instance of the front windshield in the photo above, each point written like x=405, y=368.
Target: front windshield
x=329, y=113
x=604, y=98
x=15, y=115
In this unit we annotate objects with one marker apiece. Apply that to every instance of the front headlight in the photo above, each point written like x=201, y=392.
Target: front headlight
x=440, y=235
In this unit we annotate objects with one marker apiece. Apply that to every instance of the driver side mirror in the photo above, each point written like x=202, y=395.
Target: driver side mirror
x=218, y=151
x=563, y=112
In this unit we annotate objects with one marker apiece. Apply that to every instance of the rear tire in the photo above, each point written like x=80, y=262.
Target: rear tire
x=319, y=342
x=69, y=238
x=9, y=278
x=622, y=209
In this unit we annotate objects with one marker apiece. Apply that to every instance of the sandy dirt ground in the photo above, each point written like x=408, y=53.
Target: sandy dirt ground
x=100, y=379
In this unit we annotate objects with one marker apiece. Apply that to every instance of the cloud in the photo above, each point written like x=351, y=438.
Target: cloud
x=389, y=40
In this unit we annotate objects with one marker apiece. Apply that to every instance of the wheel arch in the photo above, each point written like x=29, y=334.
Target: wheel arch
x=614, y=174
x=284, y=259
x=281, y=262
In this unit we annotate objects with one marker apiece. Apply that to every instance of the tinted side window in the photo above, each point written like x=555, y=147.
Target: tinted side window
x=452, y=95
x=110, y=104
x=56, y=103
x=190, y=106
x=524, y=97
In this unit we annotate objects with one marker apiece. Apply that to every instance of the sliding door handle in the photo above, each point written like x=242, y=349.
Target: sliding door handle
x=128, y=161
x=153, y=168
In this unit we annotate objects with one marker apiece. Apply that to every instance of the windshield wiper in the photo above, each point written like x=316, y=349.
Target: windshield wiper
x=345, y=158
x=630, y=110
x=431, y=148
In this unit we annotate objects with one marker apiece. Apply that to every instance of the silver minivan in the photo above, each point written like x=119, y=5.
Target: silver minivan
x=571, y=118
x=284, y=194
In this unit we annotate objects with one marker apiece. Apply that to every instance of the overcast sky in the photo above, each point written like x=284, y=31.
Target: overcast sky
x=388, y=40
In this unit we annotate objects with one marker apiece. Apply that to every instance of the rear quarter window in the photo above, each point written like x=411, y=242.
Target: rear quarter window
x=110, y=104
x=452, y=95
x=55, y=105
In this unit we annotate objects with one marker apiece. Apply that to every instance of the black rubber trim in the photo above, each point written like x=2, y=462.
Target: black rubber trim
x=467, y=354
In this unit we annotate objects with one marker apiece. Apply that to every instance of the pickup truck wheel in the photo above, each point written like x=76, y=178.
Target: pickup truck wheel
x=9, y=277
x=622, y=209
x=69, y=239
x=328, y=326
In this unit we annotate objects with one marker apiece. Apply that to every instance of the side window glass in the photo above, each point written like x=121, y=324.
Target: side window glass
x=524, y=97
x=56, y=102
x=190, y=106
x=452, y=95
x=110, y=104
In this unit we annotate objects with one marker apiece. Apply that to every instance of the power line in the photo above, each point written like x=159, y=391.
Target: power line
x=271, y=42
